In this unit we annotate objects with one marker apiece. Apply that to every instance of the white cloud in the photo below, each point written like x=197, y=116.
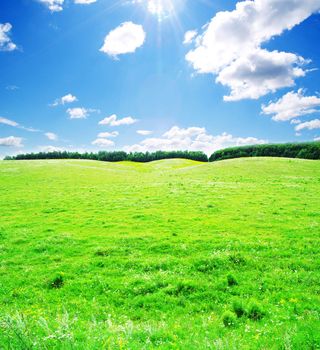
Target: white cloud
x=260, y=73
x=192, y=139
x=189, y=36
x=8, y=122
x=108, y=134
x=291, y=106
x=103, y=142
x=77, y=113
x=6, y=43
x=124, y=39
x=231, y=47
x=114, y=121
x=69, y=148
x=12, y=87
x=29, y=129
x=80, y=112
x=311, y=125
x=16, y=125
x=180, y=134
x=144, y=132
x=84, y=2
x=50, y=149
x=295, y=121
x=69, y=98
x=11, y=141
x=51, y=136
x=53, y=5
x=316, y=139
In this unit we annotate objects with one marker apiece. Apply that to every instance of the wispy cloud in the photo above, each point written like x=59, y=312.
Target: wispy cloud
x=144, y=132
x=84, y=2
x=8, y=122
x=12, y=87
x=14, y=124
x=108, y=134
x=51, y=136
x=50, y=148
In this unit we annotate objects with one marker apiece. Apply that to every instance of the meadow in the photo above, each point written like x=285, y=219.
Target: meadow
x=172, y=254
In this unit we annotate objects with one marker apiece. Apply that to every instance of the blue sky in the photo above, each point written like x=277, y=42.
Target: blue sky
x=157, y=74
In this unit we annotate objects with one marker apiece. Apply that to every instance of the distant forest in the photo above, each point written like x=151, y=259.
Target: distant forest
x=116, y=156
x=307, y=150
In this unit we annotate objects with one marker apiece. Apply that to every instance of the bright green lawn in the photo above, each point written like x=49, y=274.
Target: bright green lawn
x=143, y=256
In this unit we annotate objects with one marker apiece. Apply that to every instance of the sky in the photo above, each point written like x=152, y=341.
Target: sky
x=146, y=75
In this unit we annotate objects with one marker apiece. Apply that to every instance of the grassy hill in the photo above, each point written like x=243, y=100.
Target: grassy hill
x=172, y=254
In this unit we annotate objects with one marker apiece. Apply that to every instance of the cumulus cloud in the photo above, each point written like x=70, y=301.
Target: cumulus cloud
x=292, y=105
x=69, y=98
x=100, y=142
x=11, y=141
x=80, y=112
x=108, y=134
x=310, y=125
x=124, y=39
x=53, y=5
x=189, y=36
x=6, y=43
x=77, y=113
x=180, y=134
x=144, y=132
x=260, y=73
x=114, y=121
x=51, y=136
x=192, y=139
x=103, y=139
x=230, y=47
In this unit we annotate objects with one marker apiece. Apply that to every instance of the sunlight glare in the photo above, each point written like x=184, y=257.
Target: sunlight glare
x=161, y=8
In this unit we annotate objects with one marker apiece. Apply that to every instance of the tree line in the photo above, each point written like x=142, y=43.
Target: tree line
x=116, y=156
x=306, y=150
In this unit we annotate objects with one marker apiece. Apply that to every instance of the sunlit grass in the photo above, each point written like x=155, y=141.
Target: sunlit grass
x=172, y=254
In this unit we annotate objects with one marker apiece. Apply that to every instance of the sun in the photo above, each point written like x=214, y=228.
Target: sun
x=161, y=8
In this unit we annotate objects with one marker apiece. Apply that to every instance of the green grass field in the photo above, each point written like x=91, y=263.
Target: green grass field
x=172, y=254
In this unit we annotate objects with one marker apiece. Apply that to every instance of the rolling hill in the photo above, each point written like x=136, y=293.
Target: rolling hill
x=172, y=254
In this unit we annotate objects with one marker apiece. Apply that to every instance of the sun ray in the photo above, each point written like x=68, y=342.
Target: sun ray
x=161, y=9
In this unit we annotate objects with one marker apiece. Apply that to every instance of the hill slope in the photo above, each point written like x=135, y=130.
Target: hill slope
x=161, y=255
